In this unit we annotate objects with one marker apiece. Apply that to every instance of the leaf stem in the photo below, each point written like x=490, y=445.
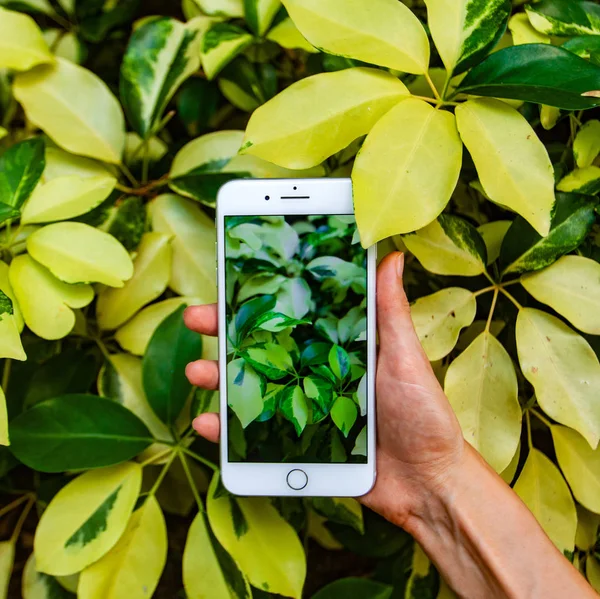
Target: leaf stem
x=188, y=474
x=123, y=168
x=432, y=86
x=162, y=474
x=6, y=374
x=446, y=84
x=540, y=417
x=511, y=298
x=529, y=437
x=144, y=189
x=155, y=457
x=486, y=290
x=21, y=520
x=16, y=503
x=202, y=460
x=491, y=314
x=489, y=278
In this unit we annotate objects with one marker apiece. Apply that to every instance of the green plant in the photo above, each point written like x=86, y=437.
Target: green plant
x=107, y=232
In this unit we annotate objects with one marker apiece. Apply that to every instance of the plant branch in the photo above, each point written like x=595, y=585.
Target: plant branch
x=529, y=437
x=489, y=320
x=21, y=520
x=162, y=474
x=511, y=298
x=123, y=168
x=432, y=86
x=486, y=290
x=202, y=460
x=144, y=189
x=188, y=474
x=540, y=417
x=14, y=504
x=6, y=373
x=155, y=457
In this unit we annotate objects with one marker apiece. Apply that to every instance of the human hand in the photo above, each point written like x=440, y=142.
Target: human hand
x=419, y=441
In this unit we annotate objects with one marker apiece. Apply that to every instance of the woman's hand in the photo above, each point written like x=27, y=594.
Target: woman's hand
x=419, y=439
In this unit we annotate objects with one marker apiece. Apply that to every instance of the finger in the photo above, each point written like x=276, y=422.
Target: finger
x=394, y=324
x=208, y=426
x=202, y=319
x=203, y=373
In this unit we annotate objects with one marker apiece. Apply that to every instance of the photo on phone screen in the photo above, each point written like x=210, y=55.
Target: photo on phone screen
x=296, y=291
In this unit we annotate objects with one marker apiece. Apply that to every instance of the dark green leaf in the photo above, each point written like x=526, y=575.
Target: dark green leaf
x=129, y=222
x=172, y=346
x=21, y=167
x=96, y=18
x=538, y=73
x=197, y=102
x=325, y=372
x=337, y=510
x=339, y=361
x=270, y=359
x=74, y=432
x=523, y=249
x=8, y=212
x=315, y=353
x=564, y=18
x=587, y=47
x=202, y=184
x=464, y=235
x=249, y=312
x=355, y=588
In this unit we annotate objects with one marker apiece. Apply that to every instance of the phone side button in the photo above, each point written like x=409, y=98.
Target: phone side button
x=297, y=479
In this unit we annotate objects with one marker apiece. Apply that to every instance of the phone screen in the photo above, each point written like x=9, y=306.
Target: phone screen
x=296, y=290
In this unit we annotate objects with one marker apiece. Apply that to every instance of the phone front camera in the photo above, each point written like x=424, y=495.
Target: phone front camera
x=267, y=197
x=295, y=188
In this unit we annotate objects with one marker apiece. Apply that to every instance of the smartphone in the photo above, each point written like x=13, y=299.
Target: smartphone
x=296, y=311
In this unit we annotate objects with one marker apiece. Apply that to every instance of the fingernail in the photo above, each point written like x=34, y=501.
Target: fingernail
x=400, y=265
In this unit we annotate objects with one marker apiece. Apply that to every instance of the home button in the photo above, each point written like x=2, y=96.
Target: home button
x=297, y=479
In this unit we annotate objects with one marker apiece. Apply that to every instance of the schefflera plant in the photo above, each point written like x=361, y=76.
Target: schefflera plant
x=407, y=171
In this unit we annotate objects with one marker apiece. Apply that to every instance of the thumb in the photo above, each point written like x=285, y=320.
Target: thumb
x=398, y=339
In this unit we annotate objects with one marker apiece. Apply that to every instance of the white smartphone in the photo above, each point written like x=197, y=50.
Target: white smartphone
x=296, y=339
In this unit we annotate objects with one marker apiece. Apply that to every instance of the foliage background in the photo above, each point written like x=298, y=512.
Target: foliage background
x=105, y=237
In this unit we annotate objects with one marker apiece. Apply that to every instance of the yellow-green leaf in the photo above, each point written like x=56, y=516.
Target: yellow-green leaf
x=420, y=573
x=44, y=300
x=381, y=32
x=10, y=339
x=464, y=31
x=445, y=591
x=22, y=45
x=7, y=558
x=86, y=518
x=220, y=44
x=36, y=585
x=203, y=577
x=581, y=180
x=571, y=286
x=136, y=149
x=336, y=108
x=592, y=571
x=75, y=108
x=134, y=565
x=481, y=385
x=221, y=8
x=70, y=186
x=508, y=474
x=523, y=32
x=7, y=289
x=193, y=242
x=544, y=491
x=406, y=170
x=264, y=546
x=77, y=253
x=549, y=116
x=121, y=379
x=449, y=246
x=587, y=528
x=493, y=235
x=512, y=163
x=563, y=369
x=134, y=335
x=286, y=34
x=580, y=465
x=586, y=146
x=259, y=14
x=151, y=273
x=439, y=318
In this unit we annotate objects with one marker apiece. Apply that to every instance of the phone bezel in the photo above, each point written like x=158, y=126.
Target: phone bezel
x=289, y=197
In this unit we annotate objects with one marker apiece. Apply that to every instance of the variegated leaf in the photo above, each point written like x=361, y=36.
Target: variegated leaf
x=161, y=54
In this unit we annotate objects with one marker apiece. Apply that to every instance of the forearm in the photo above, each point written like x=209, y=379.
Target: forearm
x=487, y=544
